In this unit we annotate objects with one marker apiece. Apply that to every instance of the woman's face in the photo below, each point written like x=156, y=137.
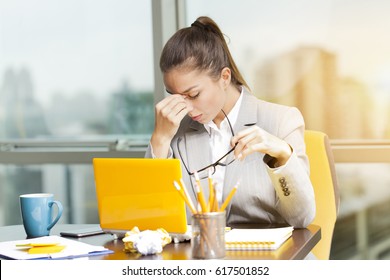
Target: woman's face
x=206, y=95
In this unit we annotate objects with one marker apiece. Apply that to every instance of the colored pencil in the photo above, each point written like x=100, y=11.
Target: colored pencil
x=214, y=205
x=211, y=192
x=229, y=198
x=200, y=194
x=181, y=192
x=187, y=194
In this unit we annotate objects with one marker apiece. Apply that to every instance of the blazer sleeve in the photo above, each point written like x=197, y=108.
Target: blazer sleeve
x=149, y=152
x=295, y=195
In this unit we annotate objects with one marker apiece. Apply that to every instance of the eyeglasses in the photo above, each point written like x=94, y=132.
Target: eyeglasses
x=204, y=172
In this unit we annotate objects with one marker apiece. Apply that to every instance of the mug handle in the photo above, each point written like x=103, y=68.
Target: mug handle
x=60, y=208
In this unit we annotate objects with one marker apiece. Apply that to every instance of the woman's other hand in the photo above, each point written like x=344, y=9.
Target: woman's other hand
x=255, y=139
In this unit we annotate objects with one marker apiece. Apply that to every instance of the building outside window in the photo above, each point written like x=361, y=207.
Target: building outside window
x=330, y=59
x=71, y=71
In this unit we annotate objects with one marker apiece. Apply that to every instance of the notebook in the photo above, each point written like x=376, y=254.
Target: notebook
x=257, y=239
x=139, y=192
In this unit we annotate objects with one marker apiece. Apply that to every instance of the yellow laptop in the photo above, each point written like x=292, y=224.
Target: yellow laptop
x=139, y=192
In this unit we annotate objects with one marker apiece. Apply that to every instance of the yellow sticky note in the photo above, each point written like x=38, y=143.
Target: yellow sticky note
x=46, y=249
x=36, y=244
x=41, y=248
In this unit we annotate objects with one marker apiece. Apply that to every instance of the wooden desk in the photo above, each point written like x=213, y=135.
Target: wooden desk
x=295, y=248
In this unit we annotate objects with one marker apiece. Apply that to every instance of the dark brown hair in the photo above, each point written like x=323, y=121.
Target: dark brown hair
x=200, y=47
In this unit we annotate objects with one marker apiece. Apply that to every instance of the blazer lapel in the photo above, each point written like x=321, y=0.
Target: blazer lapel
x=198, y=155
x=247, y=117
x=197, y=152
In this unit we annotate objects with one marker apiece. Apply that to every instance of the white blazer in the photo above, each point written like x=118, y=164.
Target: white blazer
x=265, y=195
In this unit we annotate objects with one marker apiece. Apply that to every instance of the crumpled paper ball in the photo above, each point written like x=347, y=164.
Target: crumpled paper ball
x=146, y=242
x=182, y=237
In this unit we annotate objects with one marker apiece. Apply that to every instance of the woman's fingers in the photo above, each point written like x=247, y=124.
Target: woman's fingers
x=170, y=106
x=179, y=110
x=244, y=144
x=255, y=139
x=169, y=113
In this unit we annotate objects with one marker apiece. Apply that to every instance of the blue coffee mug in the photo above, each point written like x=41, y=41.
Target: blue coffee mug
x=37, y=210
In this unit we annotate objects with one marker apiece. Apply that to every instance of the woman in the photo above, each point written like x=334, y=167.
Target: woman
x=213, y=124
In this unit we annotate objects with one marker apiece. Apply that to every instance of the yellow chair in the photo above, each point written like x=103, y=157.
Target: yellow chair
x=323, y=178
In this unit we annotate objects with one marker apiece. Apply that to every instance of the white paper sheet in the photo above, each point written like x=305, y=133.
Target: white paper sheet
x=73, y=249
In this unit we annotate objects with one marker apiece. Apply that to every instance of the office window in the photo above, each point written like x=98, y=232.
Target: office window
x=363, y=227
x=331, y=60
x=75, y=68
x=71, y=70
x=328, y=58
x=73, y=185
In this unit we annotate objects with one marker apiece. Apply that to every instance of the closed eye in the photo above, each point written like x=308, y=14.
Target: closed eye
x=194, y=96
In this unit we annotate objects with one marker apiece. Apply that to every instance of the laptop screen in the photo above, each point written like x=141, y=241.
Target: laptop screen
x=139, y=192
